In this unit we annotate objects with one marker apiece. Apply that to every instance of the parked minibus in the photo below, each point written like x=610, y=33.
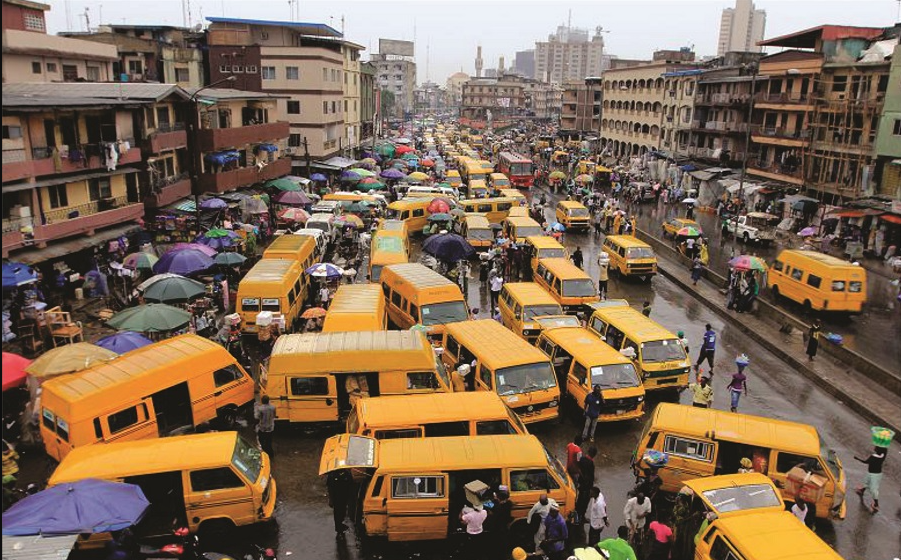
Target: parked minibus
x=658, y=354
x=495, y=209
x=276, y=285
x=567, y=283
x=356, y=307
x=707, y=442
x=211, y=482
x=476, y=229
x=415, y=488
x=387, y=247
x=478, y=413
x=309, y=374
x=503, y=362
x=417, y=295
x=161, y=389
x=544, y=247
x=818, y=282
x=518, y=229
x=521, y=304
x=413, y=211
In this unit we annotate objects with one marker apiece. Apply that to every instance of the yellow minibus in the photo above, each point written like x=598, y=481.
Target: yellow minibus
x=521, y=304
x=415, y=488
x=417, y=295
x=518, y=229
x=818, y=282
x=513, y=193
x=707, y=442
x=300, y=248
x=387, y=247
x=658, y=354
x=477, y=413
x=504, y=363
x=164, y=388
x=544, y=247
x=630, y=257
x=311, y=375
x=413, y=211
x=495, y=209
x=206, y=482
x=276, y=285
x=567, y=283
x=499, y=181
x=573, y=215
x=356, y=307
x=581, y=364
x=476, y=229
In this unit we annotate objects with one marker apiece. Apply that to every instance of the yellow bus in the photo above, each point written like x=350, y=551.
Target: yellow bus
x=417, y=295
x=573, y=215
x=518, y=229
x=705, y=442
x=311, y=375
x=513, y=193
x=387, y=247
x=506, y=364
x=521, y=304
x=356, y=307
x=567, y=283
x=276, y=285
x=414, y=488
x=495, y=209
x=581, y=364
x=300, y=248
x=214, y=481
x=630, y=256
x=477, y=413
x=818, y=282
x=499, y=181
x=472, y=170
x=413, y=211
x=155, y=391
x=476, y=229
x=658, y=354
x=544, y=247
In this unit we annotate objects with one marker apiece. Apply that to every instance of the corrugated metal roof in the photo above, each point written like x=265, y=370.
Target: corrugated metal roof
x=30, y=101
x=37, y=547
x=305, y=27
x=228, y=93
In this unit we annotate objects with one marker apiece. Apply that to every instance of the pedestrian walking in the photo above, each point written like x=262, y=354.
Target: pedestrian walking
x=339, y=484
x=264, y=413
x=537, y=515
x=874, y=472
x=802, y=512
x=597, y=516
x=702, y=393
x=662, y=539
x=577, y=257
x=555, y=534
x=474, y=520
x=324, y=295
x=813, y=339
x=683, y=341
x=739, y=382
x=593, y=403
x=636, y=512
x=646, y=309
x=573, y=454
x=499, y=521
x=618, y=548
x=708, y=348
x=603, y=273
x=586, y=481
x=495, y=283
x=696, y=268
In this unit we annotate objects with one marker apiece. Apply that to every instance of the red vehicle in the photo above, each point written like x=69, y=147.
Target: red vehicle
x=517, y=167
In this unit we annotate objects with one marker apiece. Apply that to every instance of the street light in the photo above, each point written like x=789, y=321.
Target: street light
x=753, y=67
x=195, y=152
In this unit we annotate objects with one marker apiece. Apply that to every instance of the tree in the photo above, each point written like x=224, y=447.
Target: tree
x=387, y=108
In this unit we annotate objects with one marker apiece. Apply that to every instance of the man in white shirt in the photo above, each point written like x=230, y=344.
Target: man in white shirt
x=636, y=511
x=597, y=516
x=537, y=515
x=495, y=282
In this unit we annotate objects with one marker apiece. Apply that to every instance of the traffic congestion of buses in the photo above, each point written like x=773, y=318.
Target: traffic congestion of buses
x=433, y=407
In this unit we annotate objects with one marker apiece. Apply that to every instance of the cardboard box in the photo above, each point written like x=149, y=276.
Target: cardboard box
x=475, y=491
x=264, y=318
x=233, y=319
x=807, y=486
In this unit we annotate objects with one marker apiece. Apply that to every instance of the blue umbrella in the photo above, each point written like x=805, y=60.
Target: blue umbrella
x=17, y=274
x=318, y=177
x=123, y=342
x=217, y=243
x=350, y=176
x=448, y=247
x=184, y=262
x=557, y=226
x=85, y=506
x=213, y=204
x=325, y=270
x=392, y=174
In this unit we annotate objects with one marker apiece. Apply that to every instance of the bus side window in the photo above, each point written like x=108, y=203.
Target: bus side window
x=598, y=326
x=614, y=337
x=377, y=486
x=531, y=480
x=485, y=375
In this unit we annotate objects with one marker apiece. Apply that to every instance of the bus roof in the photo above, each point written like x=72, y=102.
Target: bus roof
x=431, y=407
x=88, y=388
x=419, y=275
x=389, y=243
x=774, y=535
x=272, y=270
x=563, y=269
x=514, y=157
x=477, y=221
x=731, y=426
x=392, y=225
x=355, y=298
x=290, y=243
x=590, y=352
x=532, y=292
x=461, y=452
x=627, y=241
x=570, y=204
x=827, y=260
x=413, y=202
x=146, y=456
x=499, y=347
x=544, y=242
x=384, y=350
x=522, y=221
x=633, y=323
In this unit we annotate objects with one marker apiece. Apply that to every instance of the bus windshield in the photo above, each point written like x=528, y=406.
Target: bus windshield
x=578, y=212
x=639, y=253
x=553, y=253
x=247, y=459
x=533, y=311
x=581, y=287
x=480, y=234
x=521, y=169
x=443, y=313
x=662, y=351
x=614, y=376
x=528, y=231
x=525, y=378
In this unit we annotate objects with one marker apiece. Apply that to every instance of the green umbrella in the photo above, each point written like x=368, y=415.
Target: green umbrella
x=377, y=186
x=174, y=289
x=284, y=184
x=217, y=232
x=152, y=317
x=229, y=259
x=362, y=172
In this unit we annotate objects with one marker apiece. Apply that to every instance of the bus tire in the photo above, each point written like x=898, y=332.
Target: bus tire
x=775, y=294
x=228, y=415
x=808, y=308
x=215, y=528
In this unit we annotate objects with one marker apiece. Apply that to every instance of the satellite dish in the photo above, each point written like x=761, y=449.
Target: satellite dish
x=198, y=27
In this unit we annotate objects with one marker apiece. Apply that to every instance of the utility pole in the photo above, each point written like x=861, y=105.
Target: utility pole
x=306, y=155
x=194, y=161
x=753, y=67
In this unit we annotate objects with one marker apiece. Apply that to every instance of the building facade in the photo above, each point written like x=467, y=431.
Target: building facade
x=542, y=100
x=454, y=89
x=581, y=107
x=741, y=28
x=524, y=63
x=888, y=139
x=570, y=55
x=31, y=55
x=397, y=75
x=493, y=99
x=368, y=103
x=353, y=128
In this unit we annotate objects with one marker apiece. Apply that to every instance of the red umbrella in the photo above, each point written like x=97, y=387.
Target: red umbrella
x=438, y=206
x=403, y=149
x=368, y=181
x=426, y=162
x=14, y=370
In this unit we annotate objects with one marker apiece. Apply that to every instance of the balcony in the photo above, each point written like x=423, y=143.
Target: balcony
x=16, y=166
x=723, y=99
x=771, y=170
x=212, y=139
x=779, y=135
x=167, y=190
x=43, y=162
x=86, y=218
x=244, y=177
x=170, y=137
x=775, y=99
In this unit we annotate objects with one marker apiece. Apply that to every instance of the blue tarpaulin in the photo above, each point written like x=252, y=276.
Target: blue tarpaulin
x=221, y=158
x=267, y=148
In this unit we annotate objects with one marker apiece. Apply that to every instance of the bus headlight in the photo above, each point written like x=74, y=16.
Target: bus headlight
x=640, y=399
x=552, y=404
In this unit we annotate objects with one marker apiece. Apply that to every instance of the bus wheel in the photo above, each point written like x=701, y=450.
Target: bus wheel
x=228, y=415
x=775, y=294
x=215, y=529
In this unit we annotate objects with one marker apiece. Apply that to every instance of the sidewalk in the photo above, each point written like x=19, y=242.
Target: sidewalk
x=849, y=386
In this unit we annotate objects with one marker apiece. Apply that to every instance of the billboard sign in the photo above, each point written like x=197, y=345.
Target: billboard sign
x=395, y=47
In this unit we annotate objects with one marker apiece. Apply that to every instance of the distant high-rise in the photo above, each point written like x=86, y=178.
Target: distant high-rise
x=569, y=54
x=524, y=63
x=741, y=28
x=479, y=61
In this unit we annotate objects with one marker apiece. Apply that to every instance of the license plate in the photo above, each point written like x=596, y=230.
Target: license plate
x=620, y=412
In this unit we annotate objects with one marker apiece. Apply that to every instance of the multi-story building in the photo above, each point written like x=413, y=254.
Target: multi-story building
x=581, y=107
x=368, y=103
x=31, y=55
x=569, y=55
x=648, y=106
x=542, y=100
x=353, y=133
x=492, y=99
x=524, y=63
x=888, y=140
x=816, y=111
x=741, y=28
x=153, y=53
x=428, y=98
x=396, y=74
x=454, y=88
x=303, y=63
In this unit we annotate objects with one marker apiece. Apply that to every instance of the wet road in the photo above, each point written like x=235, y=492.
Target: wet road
x=303, y=524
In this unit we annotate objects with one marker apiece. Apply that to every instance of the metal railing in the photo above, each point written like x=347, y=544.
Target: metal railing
x=773, y=167
x=161, y=182
x=780, y=132
x=14, y=155
x=783, y=97
x=86, y=209
x=170, y=127
x=16, y=224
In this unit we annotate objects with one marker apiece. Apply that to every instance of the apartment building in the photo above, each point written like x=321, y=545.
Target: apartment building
x=302, y=63
x=396, y=74
x=368, y=103
x=31, y=55
x=570, y=55
x=741, y=28
x=492, y=99
x=352, y=92
x=581, y=106
x=543, y=101
x=454, y=88
x=887, y=173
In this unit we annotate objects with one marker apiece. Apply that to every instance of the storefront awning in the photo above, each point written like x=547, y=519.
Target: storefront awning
x=893, y=218
x=63, y=248
x=854, y=213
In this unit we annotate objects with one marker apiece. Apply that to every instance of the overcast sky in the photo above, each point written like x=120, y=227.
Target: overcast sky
x=446, y=33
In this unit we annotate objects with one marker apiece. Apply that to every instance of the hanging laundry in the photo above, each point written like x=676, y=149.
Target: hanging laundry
x=76, y=156
x=112, y=156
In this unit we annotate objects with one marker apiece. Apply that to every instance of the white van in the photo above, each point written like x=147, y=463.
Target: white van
x=417, y=190
x=332, y=207
x=325, y=224
x=319, y=237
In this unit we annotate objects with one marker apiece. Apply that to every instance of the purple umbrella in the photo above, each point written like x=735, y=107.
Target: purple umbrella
x=184, y=262
x=208, y=251
x=123, y=342
x=293, y=198
x=350, y=176
x=392, y=174
x=318, y=177
x=213, y=204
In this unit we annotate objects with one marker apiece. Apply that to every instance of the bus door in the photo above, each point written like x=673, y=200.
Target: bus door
x=418, y=507
x=311, y=399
